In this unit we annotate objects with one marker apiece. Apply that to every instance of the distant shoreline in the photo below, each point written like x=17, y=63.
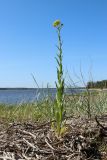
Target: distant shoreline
x=16, y=88
x=24, y=88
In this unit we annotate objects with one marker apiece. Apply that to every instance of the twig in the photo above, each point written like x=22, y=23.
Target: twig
x=49, y=144
x=99, y=124
x=29, y=144
x=28, y=133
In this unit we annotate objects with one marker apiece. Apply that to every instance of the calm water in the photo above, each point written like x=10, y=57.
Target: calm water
x=13, y=96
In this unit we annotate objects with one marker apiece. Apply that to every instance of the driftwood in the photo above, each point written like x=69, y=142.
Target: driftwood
x=83, y=140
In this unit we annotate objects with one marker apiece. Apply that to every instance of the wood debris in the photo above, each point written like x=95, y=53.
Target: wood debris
x=84, y=140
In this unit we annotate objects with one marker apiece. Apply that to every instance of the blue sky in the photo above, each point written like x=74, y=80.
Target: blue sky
x=28, y=40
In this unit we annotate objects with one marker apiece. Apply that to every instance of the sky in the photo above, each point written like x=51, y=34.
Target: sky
x=28, y=41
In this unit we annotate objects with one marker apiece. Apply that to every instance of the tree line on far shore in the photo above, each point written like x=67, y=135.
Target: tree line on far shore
x=98, y=84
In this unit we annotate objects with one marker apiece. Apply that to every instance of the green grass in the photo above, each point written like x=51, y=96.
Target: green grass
x=75, y=105
x=97, y=101
x=40, y=111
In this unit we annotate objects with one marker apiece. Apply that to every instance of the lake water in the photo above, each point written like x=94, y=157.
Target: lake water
x=15, y=96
